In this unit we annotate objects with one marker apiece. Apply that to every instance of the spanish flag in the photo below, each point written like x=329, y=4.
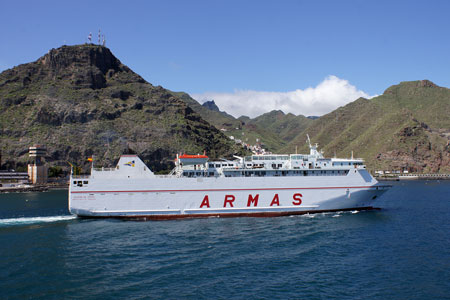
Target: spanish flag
x=90, y=159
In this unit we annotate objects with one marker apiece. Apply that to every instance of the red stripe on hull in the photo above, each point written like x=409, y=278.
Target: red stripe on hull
x=223, y=190
x=227, y=215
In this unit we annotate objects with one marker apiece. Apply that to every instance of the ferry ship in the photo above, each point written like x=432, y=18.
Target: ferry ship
x=253, y=186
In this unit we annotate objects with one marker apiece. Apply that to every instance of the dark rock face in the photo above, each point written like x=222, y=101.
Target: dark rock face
x=88, y=65
x=426, y=83
x=81, y=101
x=47, y=116
x=123, y=95
x=211, y=105
x=57, y=61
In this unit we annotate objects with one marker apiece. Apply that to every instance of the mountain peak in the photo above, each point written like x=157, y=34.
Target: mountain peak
x=84, y=93
x=417, y=84
x=211, y=105
x=86, y=54
x=427, y=83
x=82, y=66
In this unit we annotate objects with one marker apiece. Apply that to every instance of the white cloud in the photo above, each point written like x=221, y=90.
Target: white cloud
x=328, y=95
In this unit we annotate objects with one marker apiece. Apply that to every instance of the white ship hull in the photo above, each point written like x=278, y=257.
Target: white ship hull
x=171, y=197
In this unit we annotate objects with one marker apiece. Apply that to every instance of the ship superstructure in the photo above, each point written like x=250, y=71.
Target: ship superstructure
x=257, y=185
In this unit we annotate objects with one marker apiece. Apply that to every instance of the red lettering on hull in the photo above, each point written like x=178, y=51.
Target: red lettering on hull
x=276, y=200
x=297, y=198
x=228, y=199
x=205, y=202
x=253, y=200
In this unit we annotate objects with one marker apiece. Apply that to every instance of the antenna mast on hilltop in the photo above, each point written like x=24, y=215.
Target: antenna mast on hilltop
x=99, y=35
x=104, y=41
x=90, y=38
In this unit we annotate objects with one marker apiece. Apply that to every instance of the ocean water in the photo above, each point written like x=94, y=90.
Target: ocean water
x=399, y=252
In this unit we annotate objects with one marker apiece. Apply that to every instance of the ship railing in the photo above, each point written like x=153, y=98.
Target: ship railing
x=165, y=176
x=104, y=169
x=80, y=176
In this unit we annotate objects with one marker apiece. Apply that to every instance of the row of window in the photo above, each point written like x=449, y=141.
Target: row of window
x=279, y=165
x=278, y=157
x=268, y=173
x=347, y=163
x=220, y=165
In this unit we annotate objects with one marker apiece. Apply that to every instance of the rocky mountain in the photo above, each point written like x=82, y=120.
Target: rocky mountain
x=406, y=128
x=284, y=126
x=81, y=101
x=274, y=129
x=211, y=105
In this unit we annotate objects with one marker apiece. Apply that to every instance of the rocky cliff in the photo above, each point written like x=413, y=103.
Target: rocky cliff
x=81, y=101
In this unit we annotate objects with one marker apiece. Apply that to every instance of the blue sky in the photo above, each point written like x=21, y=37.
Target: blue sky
x=217, y=48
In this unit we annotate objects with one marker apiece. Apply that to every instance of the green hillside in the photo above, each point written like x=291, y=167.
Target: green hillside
x=405, y=128
x=284, y=126
x=81, y=101
x=241, y=129
x=273, y=129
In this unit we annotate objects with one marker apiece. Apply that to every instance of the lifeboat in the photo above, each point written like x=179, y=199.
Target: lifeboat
x=187, y=159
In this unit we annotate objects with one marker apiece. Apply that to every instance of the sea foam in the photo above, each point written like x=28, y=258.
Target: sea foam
x=34, y=220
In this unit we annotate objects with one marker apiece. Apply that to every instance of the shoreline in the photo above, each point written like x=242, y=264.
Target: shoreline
x=36, y=188
x=414, y=177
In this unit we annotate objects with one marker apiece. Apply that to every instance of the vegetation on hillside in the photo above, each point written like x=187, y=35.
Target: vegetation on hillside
x=81, y=101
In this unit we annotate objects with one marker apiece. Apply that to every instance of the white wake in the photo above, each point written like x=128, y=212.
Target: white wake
x=33, y=220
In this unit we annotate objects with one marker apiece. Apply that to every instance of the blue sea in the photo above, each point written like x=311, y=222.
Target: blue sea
x=399, y=252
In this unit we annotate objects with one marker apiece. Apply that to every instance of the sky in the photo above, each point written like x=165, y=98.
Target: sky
x=303, y=57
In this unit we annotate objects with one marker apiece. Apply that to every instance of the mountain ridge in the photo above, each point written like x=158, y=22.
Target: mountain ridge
x=395, y=130
x=81, y=101
x=405, y=128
